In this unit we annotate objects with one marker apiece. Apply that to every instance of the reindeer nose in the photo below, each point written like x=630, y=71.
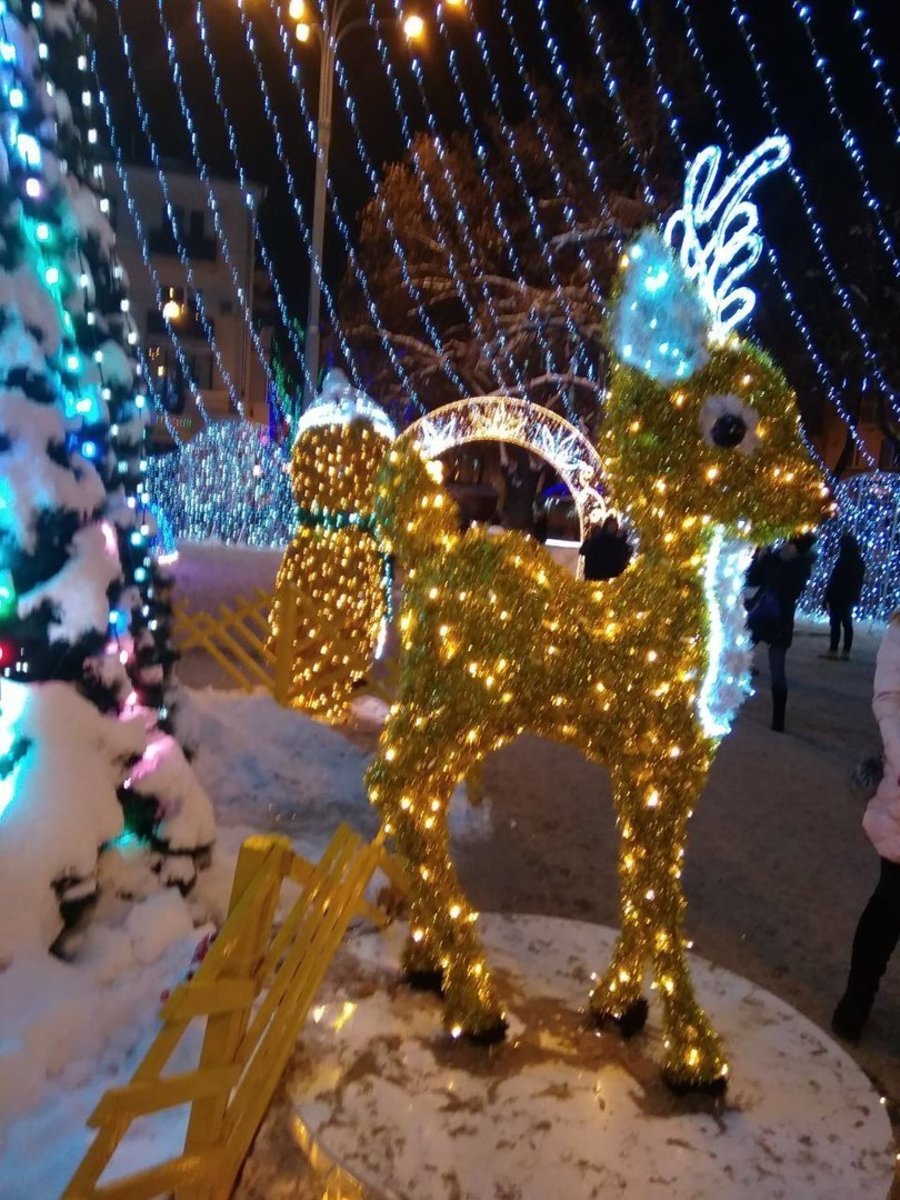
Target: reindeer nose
x=729, y=431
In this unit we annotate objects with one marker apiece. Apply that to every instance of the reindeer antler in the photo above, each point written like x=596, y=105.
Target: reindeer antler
x=719, y=238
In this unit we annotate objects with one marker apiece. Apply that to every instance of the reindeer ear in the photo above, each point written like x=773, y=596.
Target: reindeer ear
x=659, y=324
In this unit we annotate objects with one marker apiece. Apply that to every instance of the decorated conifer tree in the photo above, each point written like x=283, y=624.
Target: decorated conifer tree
x=83, y=613
x=108, y=340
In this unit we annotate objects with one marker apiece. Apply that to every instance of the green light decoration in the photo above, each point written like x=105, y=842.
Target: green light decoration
x=13, y=748
x=7, y=595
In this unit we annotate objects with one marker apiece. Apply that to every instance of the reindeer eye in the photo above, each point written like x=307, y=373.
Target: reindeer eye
x=729, y=431
x=728, y=422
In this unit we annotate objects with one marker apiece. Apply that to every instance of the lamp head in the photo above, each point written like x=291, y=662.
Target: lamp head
x=413, y=27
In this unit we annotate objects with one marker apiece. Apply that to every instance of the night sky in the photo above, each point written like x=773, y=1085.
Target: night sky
x=797, y=88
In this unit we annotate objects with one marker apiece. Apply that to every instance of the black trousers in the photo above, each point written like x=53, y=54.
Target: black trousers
x=876, y=939
x=841, y=617
x=778, y=667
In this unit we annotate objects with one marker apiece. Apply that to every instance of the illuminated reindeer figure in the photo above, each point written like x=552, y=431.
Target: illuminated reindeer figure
x=703, y=451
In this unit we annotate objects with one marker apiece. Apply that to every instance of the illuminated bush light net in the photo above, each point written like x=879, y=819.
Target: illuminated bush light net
x=642, y=673
x=230, y=483
x=868, y=506
x=536, y=429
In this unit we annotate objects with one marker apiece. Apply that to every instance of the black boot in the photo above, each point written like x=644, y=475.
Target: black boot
x=779, y=704
x=850, y=1016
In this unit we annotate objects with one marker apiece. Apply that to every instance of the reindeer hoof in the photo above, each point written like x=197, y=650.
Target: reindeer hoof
x=631, y=1021
x=695, y=1087
x=426, y=981
x=490, y=1036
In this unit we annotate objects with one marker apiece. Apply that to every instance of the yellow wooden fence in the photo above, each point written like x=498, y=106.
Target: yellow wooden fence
x=254, y=989
x=236, y=638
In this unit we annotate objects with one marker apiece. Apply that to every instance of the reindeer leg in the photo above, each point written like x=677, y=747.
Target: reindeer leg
x=694, y=1058
x=444, y=948
x=618, y=996
x=653, y=825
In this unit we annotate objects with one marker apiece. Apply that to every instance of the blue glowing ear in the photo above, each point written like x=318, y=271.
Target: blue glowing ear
x=659, y=324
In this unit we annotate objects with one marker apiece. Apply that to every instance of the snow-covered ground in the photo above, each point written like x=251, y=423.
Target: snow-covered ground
x=778, y=870
x=556, y=1110
x=69, y=1031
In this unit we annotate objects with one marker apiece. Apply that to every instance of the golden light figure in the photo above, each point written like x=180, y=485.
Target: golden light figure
x=331, y=585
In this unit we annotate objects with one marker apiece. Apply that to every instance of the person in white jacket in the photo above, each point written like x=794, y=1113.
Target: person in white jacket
x=878, y=930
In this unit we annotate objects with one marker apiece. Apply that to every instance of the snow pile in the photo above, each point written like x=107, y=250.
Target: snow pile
x=280, y=770
x=78, y=592
x=183, y=809
x=70, y=1031
x=276, y=768
x=23, y=293
x=34, y=483
x=89, y=220
x=63, y=805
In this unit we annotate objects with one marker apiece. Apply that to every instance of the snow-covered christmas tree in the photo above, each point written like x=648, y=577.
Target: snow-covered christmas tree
x=85, y=613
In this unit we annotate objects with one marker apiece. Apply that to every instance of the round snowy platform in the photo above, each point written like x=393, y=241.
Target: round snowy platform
x=561, y=1111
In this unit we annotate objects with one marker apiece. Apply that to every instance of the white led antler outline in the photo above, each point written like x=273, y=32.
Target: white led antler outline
x=718, y=229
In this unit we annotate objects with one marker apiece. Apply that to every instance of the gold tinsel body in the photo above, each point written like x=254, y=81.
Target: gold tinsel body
x=498, y=639
x=330, y=598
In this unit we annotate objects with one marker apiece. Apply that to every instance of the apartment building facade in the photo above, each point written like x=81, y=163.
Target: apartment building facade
x=217, y=358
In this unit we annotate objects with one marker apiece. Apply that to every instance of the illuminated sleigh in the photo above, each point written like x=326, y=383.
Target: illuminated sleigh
x=701, y=447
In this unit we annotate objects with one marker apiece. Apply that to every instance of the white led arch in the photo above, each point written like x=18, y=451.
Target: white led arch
x=520, y=423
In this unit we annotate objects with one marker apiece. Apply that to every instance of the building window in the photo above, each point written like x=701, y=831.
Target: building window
x=173, y=379
x=192, y=236
x=182, y=310
x=201, y=366
x=868, y=409
x=888, y=457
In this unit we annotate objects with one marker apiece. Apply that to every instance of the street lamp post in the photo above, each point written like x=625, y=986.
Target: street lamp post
x=335, y=24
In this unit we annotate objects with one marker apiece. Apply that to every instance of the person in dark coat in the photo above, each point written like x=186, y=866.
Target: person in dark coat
x=523, y=477
x=606, y=552
x=780, y=575
x=541, y=522
x=878, y=931
x=842, y=594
